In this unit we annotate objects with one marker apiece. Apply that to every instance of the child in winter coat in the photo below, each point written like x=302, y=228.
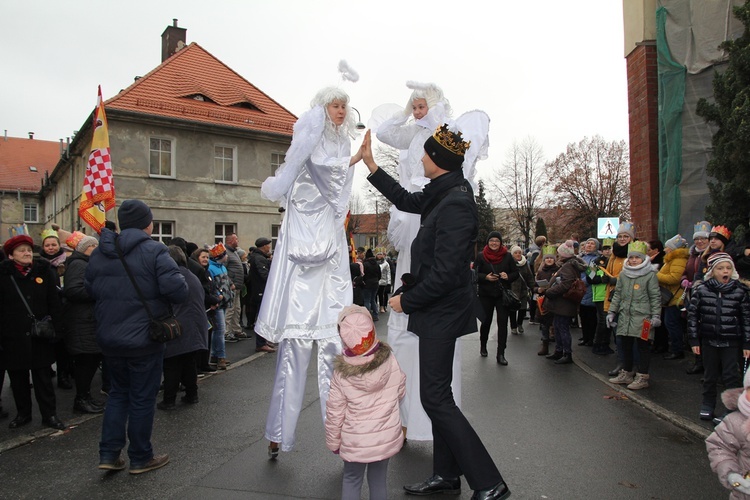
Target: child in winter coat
x=718, y=325
x=728, y=445
x=636, y=299
x=363, y=424
x=547, y=269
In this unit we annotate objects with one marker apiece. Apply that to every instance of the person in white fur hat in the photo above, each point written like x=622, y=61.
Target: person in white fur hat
x=362, y=424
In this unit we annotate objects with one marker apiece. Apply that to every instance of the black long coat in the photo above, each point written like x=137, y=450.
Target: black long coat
x=80, y=323
x=441, y=303
x=19, y=350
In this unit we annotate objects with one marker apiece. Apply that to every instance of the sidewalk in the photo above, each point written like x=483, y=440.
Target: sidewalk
x=672, y=394
x=238, y=353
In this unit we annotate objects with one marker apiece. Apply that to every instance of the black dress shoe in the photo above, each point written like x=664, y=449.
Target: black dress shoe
x=434, y=485
x=19, y=421
x=695, y=369
x=555, y=355
x=53, y=422
x=483, y=352
x=674, y=355
x=501, y=360
x=587, y=343
x=498, y=492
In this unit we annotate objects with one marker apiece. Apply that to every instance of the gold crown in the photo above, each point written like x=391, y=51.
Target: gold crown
x=722, y=230
x=452, y=141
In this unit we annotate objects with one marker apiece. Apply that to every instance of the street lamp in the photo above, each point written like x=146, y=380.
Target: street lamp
x=360, y=125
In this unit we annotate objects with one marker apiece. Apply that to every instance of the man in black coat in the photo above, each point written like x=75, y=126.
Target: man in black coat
x=440, y=306
x=260, y=265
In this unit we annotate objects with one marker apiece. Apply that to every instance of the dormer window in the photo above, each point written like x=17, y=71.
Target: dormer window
x=245, y=105
x=199, y=97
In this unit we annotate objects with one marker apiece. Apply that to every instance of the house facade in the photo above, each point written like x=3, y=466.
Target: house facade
x=193, y=140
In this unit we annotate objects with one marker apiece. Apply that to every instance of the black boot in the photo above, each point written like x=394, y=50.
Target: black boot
x=63, y=381
x=483, y=349
x=83, y=404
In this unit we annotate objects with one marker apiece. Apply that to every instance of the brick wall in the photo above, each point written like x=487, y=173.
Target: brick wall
x=644, y=146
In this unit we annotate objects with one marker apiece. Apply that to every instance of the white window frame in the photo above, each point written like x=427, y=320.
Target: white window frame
x=227, y=228
x=276, y=160
x=158, y=233
x=275, y=228
x=27, y=208
x=173, y=159
x=233, y=180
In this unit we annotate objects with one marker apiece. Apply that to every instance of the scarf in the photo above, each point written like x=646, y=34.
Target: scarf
x=494, y=256
x=24, y=269
x=521, y=262
x=620, y=251
x=640, y=270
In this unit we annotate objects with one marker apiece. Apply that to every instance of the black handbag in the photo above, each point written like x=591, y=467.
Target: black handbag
x=40, y=328
x=510, y=299
x=665, y=296
x=162, y=329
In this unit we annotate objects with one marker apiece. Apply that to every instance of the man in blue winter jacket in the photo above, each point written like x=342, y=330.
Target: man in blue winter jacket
x=132, y=359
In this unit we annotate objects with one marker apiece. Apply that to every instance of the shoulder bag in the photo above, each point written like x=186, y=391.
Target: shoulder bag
x=160, y=330
x=40, y=328
x=576, y=291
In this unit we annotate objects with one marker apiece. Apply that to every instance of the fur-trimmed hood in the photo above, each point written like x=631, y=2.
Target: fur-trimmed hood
x=347, y=370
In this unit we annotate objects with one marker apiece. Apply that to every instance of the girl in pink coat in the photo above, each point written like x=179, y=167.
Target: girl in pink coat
x=363, y=424
x=729, y=445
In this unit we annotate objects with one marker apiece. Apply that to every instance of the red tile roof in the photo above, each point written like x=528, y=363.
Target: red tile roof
x=170, y=91
x=18, y=154
x=370, y=223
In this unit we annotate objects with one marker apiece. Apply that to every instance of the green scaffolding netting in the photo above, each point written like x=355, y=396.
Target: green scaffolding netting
x=671, y=97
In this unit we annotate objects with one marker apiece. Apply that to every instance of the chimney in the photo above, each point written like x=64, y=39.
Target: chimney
x=31, y=135
x=170, y=40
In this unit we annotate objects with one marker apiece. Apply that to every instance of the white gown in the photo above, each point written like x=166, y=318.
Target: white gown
x=309, y=281
x=402, y=229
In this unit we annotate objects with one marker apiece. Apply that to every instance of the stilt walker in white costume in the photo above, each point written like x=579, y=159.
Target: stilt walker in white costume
x=309, y=281
x=429, y=108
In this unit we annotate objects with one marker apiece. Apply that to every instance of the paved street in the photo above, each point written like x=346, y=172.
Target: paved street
x=556, y=432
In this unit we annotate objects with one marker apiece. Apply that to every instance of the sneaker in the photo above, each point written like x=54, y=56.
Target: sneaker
x=241, y=336
x=640, y=382
x=520, y=329
x=118, y=464
x=155, y=463
x=229, y=337
x=533, y=322
x=514, y=331
x=622, y=377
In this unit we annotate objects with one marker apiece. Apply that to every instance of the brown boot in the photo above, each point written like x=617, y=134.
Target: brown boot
x=222, y=364
x=544, y=350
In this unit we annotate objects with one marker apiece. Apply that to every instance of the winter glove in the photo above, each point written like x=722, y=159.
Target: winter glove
x=685, y=283
x=612, y=280
x=655, y=322
x=739, y=483
x=611, y=323
x=336, y=452
x=605, y=279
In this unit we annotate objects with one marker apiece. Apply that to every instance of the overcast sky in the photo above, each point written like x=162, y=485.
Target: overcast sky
x=548, y=69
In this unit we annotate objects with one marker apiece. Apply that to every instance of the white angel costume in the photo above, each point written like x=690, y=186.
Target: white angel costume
x=309, y=281
x=409, y=136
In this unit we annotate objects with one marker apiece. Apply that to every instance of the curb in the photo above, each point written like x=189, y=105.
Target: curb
x=692, y=428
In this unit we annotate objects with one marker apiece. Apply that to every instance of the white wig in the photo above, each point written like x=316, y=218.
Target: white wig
x=430, y=93
x=326, y=96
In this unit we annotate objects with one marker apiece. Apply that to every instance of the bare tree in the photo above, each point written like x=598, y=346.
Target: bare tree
x=591, y=180
x=520, y=186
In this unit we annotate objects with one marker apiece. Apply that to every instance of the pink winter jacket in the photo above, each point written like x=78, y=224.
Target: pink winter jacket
x=362, y=411
x=729, y=444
